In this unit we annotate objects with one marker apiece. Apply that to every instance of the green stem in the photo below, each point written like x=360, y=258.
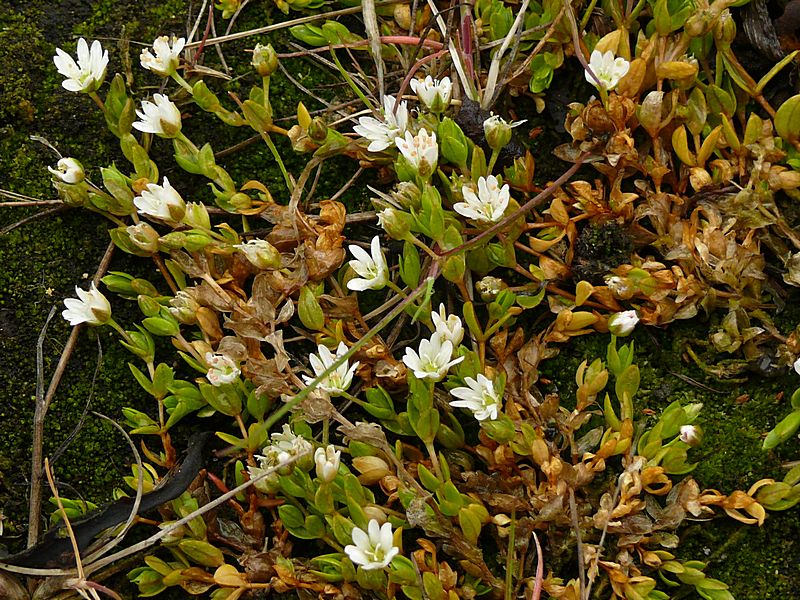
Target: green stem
x=183, y=83
x=278, y=160
x=509, y=591
x=350, y=82
x=492, y=159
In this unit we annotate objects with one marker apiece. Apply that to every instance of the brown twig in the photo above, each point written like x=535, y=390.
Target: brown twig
x=573, y=511
x=34, y=217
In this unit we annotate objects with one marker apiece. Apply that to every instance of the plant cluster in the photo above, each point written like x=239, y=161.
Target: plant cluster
x=358, y=466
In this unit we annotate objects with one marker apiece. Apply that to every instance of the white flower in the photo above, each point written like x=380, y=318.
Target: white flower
x=162, y=117
x=261, y=254
x=327, y=461
x=374, y=548
x=690, y=435
x=609, y=70
x=160, y=201
x=88, y=74
x=433, y=93
x=68, y=170
x=449, y=327
x=622, y=323
x=421, y=151
x=221, y=369
x=166, y=59
x=339, y=380
x=796, y=366
x=381, y=134
x=497, y=131
x=488, y=205
x=373, y=270
x=92, y=307
x=480, y=397
x=433, y=360
x=184, y=307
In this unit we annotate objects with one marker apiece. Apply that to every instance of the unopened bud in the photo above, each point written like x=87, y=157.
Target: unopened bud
x=265, y=60
x=691, y=434
x=395, y=223
x=497, y=132
x=318, y=130
x=173, y=241
x=371, y=468
x=241, y=201
x=261, y=254
x=196, y=216
x=407, y=194
x=622, y=324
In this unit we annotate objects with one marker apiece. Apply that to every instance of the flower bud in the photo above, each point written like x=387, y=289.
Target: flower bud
x=173, y=241
x=318, y=130
x=143, y=236
x=265, y=60
x=725, y=28
x=371, y=468
x=241, y=201
x=691, y=434
x=497, y=132
x=196, y=216
x=376, y=513
x=621, y=324
x=68, y=170
x=261, y=254
x=395, y=223
x=149, y=306
x=407, y=194
x=327, y=462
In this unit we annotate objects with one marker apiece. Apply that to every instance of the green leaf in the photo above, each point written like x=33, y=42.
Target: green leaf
x=202, y=552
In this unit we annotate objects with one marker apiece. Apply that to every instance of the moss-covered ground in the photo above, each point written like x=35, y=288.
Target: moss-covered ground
x=42, y=261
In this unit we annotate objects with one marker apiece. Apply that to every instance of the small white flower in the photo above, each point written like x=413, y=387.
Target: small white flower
x=622, y=323
x=161, y=202
x=161, y=117
x=488, y=205
x=166, y=59
x=339, y=380
x=381, y=134
x=448, y=326
x=374, y=548
x=68, y=170
x=421, y=151
x=433, y=93
x=796, y=366
x=609, y=70
x=89, y=72
x=372, y=270
x=327, y=461
x=91, y=307
x=480, y=397
x=261, y=254
x=497, y=131
x=221, y=369
x=690, y=435
x=433, y=360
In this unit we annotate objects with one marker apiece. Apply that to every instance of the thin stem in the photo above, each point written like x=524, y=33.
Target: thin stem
x=183, y=83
